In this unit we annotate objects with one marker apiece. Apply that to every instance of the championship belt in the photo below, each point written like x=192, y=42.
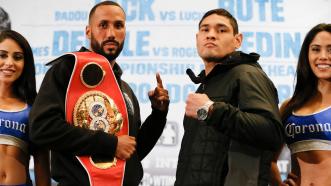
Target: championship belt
x=94, y=101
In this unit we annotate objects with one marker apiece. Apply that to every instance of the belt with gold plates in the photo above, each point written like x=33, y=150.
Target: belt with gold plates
x=94, y=101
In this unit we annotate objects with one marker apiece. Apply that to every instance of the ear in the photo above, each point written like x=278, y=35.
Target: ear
x=88, y=32
x=238, y=40
x=197, y=41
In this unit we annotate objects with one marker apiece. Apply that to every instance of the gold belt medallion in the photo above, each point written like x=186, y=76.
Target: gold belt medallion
x=95, y=110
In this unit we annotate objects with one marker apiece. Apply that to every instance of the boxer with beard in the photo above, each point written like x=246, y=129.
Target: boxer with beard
x=51, y=126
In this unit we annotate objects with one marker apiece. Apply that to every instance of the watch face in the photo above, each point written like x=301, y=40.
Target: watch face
x=202, y=113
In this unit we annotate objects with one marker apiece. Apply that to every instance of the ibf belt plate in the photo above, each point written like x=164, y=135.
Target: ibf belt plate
x=95, y=110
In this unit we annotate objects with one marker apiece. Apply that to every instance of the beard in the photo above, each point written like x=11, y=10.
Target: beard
x=111, y=54
x=213, y=59
x=218, y=59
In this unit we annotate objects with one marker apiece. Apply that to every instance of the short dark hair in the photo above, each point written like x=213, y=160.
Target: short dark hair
x=306, y=81
x=4, y=20
x=112, y=3
x=25, y=85
x=225, y=13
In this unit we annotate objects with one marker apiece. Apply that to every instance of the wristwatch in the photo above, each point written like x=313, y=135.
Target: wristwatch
x=203, y=111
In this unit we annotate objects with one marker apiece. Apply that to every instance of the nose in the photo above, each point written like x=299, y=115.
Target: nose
x=110, y=32
x=324, y=54
x=9, y=61
x=211, y=34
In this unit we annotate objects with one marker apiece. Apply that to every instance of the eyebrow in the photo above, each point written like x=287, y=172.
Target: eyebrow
x=218, y=25
x=107, y=21
x=318, y=45
x=17, y=52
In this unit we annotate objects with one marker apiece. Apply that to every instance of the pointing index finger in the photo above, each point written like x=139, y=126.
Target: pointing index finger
x=159, y=80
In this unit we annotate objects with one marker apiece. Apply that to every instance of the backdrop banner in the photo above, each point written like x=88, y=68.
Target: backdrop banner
x=161, y=38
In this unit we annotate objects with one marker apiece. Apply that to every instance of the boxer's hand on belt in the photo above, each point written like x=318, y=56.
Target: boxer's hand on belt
x=126, y=145
x=159, y=96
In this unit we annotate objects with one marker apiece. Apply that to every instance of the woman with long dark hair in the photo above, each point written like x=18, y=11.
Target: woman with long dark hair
x=306, y=116
x=17, y=94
